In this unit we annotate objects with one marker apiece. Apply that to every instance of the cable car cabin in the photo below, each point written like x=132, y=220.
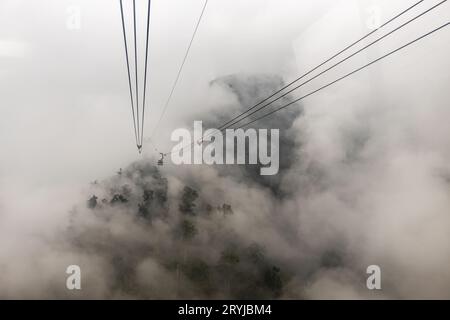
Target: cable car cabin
x=161, y=161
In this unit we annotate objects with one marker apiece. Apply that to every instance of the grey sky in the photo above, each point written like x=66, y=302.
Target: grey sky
x=64, y=93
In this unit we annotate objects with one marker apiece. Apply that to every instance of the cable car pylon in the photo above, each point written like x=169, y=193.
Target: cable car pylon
x=135, y=97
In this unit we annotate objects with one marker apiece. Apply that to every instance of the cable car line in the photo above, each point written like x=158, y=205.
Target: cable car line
x=129, y=73
x=336, y=64
x=349, y=74
x=233, y=120
x=145, y=72
x=225, y=125
x=136, y=72
x=335, y=81
x=166, y=105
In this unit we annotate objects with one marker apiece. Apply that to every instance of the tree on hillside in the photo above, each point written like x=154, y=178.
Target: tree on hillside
x=92, y=202
x=188, y=199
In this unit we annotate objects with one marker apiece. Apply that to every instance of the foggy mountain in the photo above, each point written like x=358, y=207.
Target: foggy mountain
x=309, y=232
x=353, y=190
x=162, y=237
